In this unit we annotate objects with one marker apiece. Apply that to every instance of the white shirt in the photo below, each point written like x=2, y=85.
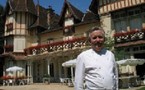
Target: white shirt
x=98, y=71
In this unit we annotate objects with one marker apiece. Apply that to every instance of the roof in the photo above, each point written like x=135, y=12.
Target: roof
x=94, y=6
x=77, y=14
x=90, y=16
x=47, y=19
x=41, y=17
x=22, y=6
x=1, y=10
x=53, y=19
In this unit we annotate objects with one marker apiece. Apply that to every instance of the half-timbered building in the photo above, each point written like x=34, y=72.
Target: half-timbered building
x=39, y=40
x=126, y=19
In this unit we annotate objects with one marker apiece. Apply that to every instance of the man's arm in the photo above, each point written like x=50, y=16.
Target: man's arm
x=79, y=74
x=116, y=74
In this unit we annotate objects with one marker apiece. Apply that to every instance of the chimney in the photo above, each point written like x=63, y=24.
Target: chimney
x=50, y=14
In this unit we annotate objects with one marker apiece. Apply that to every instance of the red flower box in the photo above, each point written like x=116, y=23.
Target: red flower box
x=126, y=33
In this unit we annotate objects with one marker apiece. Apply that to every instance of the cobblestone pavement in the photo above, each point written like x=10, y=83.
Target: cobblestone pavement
x=37, y=87
x=133, y=88
x=52, y=86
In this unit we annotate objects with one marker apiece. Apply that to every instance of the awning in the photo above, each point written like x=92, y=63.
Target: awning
x=70, y=63
x=14, y=68
x=132, y=62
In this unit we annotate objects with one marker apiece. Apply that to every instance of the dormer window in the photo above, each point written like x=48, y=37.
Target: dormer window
x=68, y=16
x=50, y=40
x=69, y=30
x=9, y=27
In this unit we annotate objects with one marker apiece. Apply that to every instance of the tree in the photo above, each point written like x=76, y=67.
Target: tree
x=109, y=44
x=120, y=54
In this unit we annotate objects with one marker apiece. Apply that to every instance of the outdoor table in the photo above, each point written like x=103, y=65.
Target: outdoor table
x=46, y=80
x=66, y=81
x=5, y=82
x=9, y=82
x=22, y=81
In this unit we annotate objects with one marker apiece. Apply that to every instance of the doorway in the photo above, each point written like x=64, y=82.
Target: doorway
x=1, y=68
x=140, y=68
x=69, y=72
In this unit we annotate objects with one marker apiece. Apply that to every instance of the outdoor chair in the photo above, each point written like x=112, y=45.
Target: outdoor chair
x=5, y=82
x=70, y=83
x=62, y=81
x=10, y=81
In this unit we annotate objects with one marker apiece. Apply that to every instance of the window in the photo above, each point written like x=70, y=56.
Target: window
x=19, y=44
x=9, y=41
x=112, y=1
x=118, y=15
x=100, y=2
x=10, y=19
x=104, y=1
x=62, y=71
x=135, y=11
x=50, y=40
x=69, y=30
x=131, y=17
x=120, y=25
x=135, y=22
x=9, y=27
x=143, y=9
x=10, y=62
x=51, y=69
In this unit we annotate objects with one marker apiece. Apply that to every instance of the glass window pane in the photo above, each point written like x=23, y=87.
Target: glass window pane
x=120, y=25
x=135, y=23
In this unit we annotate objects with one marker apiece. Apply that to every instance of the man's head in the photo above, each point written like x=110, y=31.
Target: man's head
x=96, y=37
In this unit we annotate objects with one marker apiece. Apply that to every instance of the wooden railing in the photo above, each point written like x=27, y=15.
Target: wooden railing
x=129, y=36
x=57, y=46
x=8, y=48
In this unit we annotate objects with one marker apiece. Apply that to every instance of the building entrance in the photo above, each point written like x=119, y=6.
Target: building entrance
x=1, y=61
x=140, y=68
x=1, y=67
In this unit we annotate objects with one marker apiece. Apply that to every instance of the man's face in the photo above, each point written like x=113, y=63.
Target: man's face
x=97, y=40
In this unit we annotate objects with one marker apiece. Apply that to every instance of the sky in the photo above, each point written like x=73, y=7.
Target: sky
x=82, y=5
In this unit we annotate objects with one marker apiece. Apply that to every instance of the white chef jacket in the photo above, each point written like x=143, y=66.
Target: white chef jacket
x=98, y=71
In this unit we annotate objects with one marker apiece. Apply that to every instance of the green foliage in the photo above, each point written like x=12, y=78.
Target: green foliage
x=143, y=88
x=119, y=54
x=109, y=44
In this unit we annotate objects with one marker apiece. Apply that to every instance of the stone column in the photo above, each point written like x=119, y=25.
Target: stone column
x=72, y=73
x=48, y=66
x=29, y=72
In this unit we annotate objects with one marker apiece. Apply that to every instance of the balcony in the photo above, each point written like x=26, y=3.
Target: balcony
x=9, y=27
x=57, y=46
x=129, y=36
x=8, y=48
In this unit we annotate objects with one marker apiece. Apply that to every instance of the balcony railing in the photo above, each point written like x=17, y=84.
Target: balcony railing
x=8, y=48
x=57, y=46
x=129, y=36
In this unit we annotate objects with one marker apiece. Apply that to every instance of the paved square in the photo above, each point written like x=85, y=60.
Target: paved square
x=38, y=87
